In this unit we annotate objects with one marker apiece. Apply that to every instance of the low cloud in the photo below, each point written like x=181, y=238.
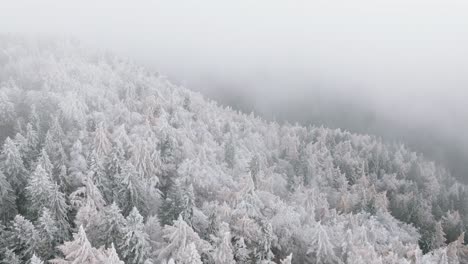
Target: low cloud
x=397, y=69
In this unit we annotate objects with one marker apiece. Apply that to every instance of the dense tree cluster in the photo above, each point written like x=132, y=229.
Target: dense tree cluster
x=105, y=162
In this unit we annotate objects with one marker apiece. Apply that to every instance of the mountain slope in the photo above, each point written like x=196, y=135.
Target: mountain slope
x=146, y=172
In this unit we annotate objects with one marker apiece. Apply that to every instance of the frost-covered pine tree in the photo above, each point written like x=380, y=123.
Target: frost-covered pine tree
x=13, y=166
x=223, y=253
x=59, y=209
x=102, y=144
x=35, y=260
x=230, y=153
x=10, y=257
x=98, y=173
x=39, y=190
x=22, y=237
x=79, y=251
x=130, y=192
x=48, y=234
x=254, y=167
x=8, y=208
x=112, y=257
x=287, y=260
x=190, y=255
x=54, y=147
x=111, y=227
x=144, y=162
x=135, y=246
x=32, y=145
x=177, y=238
x=321, y=246
x=7, y=112
x=179, y=201
x=73, y=108
x=45, y=163
x=241, y=252
x=21, y=143
x=78, y=166
x=438, y=239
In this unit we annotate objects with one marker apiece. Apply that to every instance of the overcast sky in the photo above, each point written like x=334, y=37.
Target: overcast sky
x=397, y=68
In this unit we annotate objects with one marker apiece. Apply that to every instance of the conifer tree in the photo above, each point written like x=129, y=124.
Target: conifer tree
x=48, y=233
x=135, y=246
x=230, y=153
x=223, y=250
x=112, y=257
x=111, y=227
x=38, y=190
x=54, y=147
x=59, y=210
x=130, y=190
x=254, y=167
x=45, y=163
x=177, y=237
x=13, y=166
x=23, y=237
x=10, y=257
x=35, y=260
x=321, y=246
x=32, y=145
x=287, y=260
x=79, y=251
x=8, y=208
x=241, y=253
x=144, y=162
x=99, y=176
x=178, y=202
x=22, y=146
x=102, y=144
x=190, y=255
x=78, y=166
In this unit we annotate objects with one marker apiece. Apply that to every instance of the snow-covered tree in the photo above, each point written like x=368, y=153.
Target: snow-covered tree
x=45, y=163
x=7, y=200
x=241, y=252
x=190, y=255
x=102, y=144
x=112, y=257
x=39, y=190
x=130, y=189
x=111, y=226
x=73, y=108
x=287, y=260
x=177, y=238
x=78, y=166
x=135, y=246
x=10, y=257
x=223, y=252
x=54, y=147
x=179, y=201
x=12, y=164
x=59, y=209
x=23, y=237
x=321, y=246
x=48, y=234
x=144, y=161
x=32, y=145
x=35, y=260
x=230, y=154
x=79, y=251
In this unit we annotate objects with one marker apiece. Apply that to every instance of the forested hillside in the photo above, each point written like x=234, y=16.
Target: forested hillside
x=104, y=162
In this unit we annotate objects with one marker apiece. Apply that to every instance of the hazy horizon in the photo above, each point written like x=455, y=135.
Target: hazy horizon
x=396, y=69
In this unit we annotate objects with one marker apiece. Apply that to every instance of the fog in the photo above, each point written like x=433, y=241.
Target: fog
x=393, y=68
